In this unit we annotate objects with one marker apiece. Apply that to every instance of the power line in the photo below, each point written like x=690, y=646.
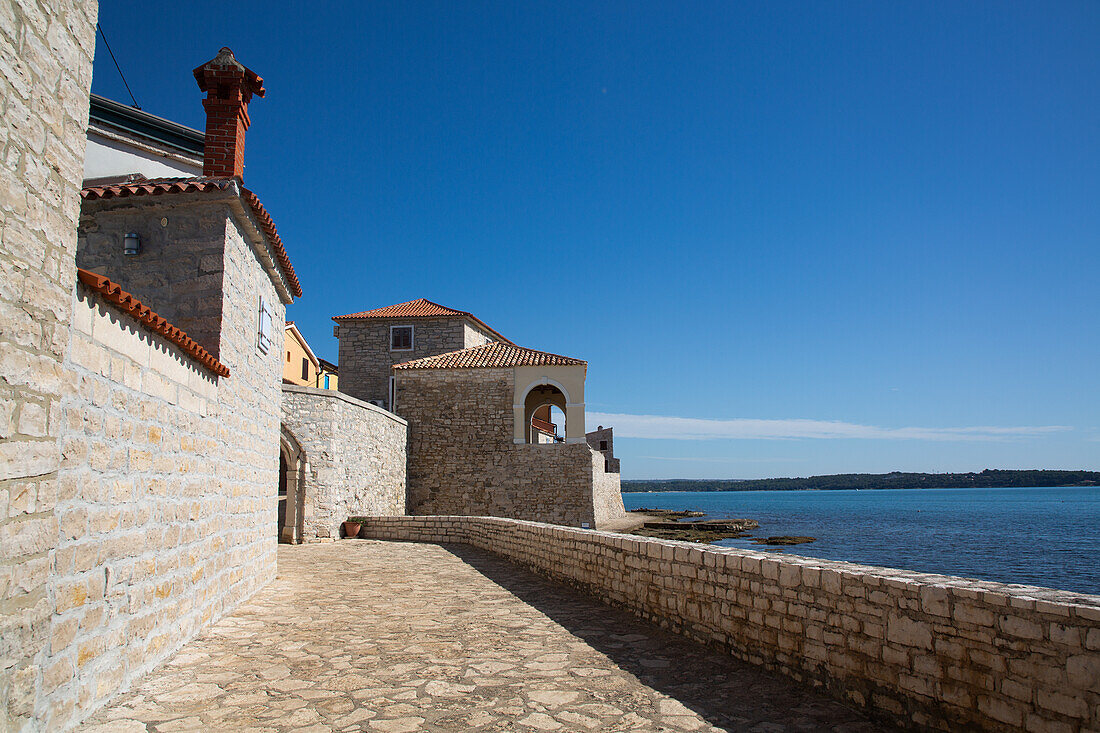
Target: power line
x=99, y=28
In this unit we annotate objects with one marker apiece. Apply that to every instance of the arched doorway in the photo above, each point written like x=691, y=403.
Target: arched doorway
x=545, y=410
x=282, y=494
x=293, y=468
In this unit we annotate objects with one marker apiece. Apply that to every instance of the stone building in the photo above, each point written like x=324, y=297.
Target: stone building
x=147, y=443
x=373, y=341
x=141, y=334
x=477, y=405
x=302, y=367
x=603, y=440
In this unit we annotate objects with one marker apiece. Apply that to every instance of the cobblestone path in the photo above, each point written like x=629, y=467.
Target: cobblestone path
x=363, y=635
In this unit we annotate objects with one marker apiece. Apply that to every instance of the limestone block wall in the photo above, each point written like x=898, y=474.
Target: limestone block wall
x=166, y=494
x=137, y=562
x=928, y=652
x=180, y=269
x=365, y=356
x=46, y=50
x=356, y=456
x=607, y=491
x=462, y=458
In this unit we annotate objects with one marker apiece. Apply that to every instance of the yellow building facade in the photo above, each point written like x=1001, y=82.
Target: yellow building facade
x=302, y=367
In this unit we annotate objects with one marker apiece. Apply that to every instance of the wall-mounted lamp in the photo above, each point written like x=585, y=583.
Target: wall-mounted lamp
x=131, y=244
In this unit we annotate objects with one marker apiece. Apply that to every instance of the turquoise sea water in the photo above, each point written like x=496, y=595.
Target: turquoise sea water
x=1047, y=537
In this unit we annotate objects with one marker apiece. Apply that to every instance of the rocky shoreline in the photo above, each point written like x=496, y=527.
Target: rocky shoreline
x=666, y=524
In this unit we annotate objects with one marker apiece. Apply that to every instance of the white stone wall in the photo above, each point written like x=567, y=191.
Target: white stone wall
x=249, y=402
x=930, y=652
x=356, y=456
x=139, y=565
x=167, y=492
x=607, y=494
x=46, y=53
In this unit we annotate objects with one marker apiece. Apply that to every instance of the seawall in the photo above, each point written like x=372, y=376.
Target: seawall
x=928, y=652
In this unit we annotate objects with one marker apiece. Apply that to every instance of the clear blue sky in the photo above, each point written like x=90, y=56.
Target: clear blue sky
x=829, y=237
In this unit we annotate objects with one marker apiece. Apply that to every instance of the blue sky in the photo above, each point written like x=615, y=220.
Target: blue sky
x=789, y=238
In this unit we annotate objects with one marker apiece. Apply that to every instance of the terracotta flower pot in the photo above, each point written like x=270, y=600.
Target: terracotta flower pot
x=351, y=529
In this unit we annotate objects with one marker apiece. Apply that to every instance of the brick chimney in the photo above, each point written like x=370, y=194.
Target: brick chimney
x=229, y=87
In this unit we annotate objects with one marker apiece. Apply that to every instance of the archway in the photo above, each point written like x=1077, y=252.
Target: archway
x=292, y=484
x=282, y=494
x=543, y=407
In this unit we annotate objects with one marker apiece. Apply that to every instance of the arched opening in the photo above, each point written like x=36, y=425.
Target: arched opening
x=544, y=411
x=282, y=494
x=292, y=484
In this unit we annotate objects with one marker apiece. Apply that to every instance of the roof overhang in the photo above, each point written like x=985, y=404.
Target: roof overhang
x=248, y=212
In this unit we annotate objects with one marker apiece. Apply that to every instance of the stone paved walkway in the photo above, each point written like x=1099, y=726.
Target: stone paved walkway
x=390, y=637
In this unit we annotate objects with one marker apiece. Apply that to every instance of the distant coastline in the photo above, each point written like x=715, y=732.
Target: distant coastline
x=987, y=479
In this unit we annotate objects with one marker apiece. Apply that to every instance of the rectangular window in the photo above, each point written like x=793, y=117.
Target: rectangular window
x=603, y=445
x=393, y=394
x=326, y=381
x=305, y=368
x=265, y=329
x=401, y=338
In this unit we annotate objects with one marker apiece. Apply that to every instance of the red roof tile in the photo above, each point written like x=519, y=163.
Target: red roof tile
x=160, y=186
x=113, y=293
x=419, y=308
x=489, y=356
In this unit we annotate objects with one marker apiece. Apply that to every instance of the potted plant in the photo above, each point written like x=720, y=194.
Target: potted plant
x=352, y=527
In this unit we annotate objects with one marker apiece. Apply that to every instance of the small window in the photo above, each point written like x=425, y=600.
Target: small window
x=603, y=445
x=401, y=338
x=288, y=356
x=326, y=382
x=305, y=368
x=264, y=329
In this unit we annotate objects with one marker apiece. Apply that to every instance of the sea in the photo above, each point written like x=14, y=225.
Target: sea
x=1048, y=537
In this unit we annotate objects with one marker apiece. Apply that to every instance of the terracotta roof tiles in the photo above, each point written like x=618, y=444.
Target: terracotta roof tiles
x=161, y=186
x=113, y=293
x=419, y=308
x=489, y=356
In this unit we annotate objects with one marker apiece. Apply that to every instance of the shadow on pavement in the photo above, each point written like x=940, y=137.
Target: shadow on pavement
x=728, y=693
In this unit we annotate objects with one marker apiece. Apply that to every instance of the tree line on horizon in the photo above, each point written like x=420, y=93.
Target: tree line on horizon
x=987, y=479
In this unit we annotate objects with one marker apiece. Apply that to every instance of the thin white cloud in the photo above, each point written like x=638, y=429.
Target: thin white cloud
x=694, y=428
x=694, y=459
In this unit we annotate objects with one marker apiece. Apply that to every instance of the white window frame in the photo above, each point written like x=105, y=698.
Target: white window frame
x=412, y=337
x=265, y=329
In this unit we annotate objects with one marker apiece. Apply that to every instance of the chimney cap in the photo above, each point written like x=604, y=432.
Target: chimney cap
x=226, y=61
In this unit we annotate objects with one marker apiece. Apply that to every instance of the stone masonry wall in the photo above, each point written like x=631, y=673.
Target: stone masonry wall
x=168, y=483
x=607, y=491
x=365, y=357
x=46, y=50
x=474, y=336
x=138, y=465
x=928, y=652
x=462, y=458
x=179, y=271
x=356, y=455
